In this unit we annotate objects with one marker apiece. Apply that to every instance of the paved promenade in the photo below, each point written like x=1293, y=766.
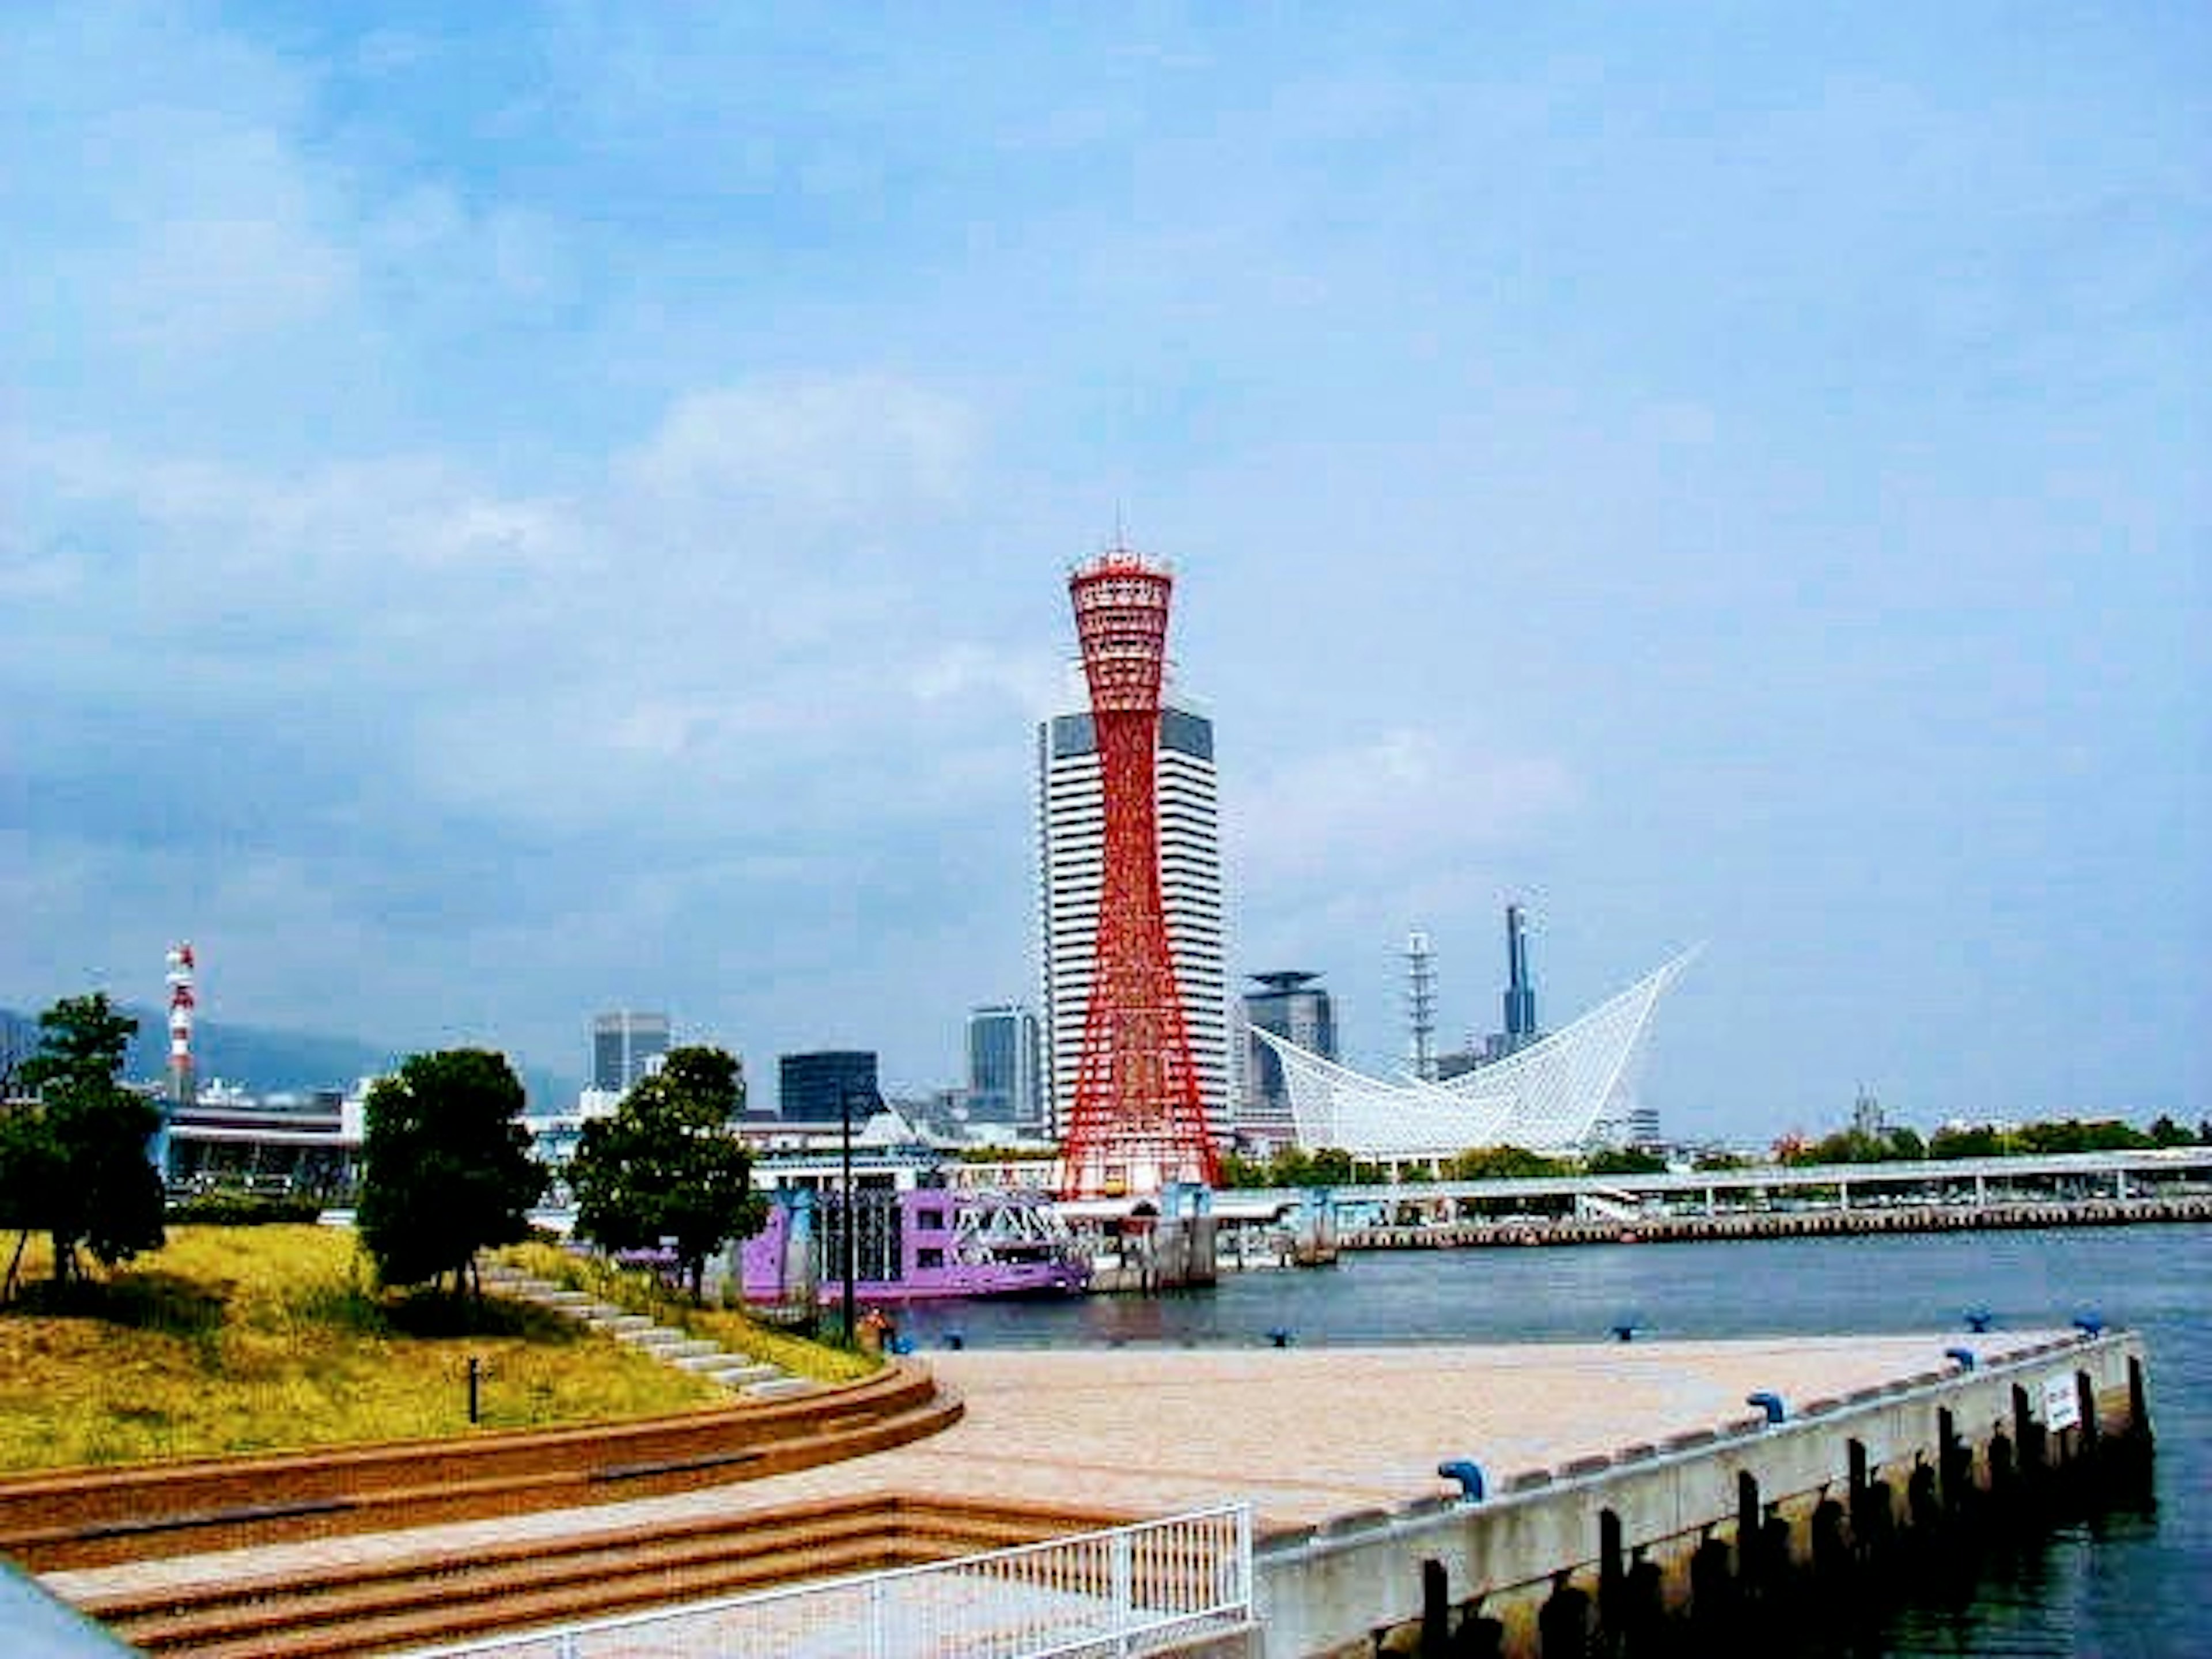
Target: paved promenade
x=1304, y=1434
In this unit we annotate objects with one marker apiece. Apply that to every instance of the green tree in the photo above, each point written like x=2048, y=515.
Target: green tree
x=1854, y=1146
x=1971, y=1140
x=1502, y=1163
x=2111, y=1135
x=666, y=1165
x=1242, y=1169
x=1320, y=1166
x=1624, y=1160
x=74, y=1160
x=448, y=1167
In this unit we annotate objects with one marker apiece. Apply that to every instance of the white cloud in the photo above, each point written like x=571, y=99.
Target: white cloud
x=189, y=288
x=1026, y=679
x=842, y=449
x=1381, y=813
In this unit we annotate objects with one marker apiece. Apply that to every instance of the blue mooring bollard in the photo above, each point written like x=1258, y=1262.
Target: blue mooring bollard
x=1769, y=1403
x=1963, y=1356
x=1468, y=1473
x=1978, y=1320
x=1279, y=1336
x=2089, y=1324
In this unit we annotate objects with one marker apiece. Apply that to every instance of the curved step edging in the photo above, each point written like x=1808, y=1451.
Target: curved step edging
x=59, y=1520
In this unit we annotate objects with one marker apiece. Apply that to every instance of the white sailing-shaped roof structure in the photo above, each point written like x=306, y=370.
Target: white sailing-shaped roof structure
x=1568, y=1090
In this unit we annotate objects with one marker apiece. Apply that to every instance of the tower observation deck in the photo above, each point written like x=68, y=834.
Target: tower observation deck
x=1138, y=1122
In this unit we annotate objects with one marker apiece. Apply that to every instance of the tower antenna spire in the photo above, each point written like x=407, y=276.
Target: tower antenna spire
x=1420, y=1004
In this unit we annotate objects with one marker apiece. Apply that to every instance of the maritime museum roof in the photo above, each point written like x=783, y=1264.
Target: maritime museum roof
x=1567, y=1091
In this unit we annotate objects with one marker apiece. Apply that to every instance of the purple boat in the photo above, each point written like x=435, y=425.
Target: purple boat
x=920, y=1244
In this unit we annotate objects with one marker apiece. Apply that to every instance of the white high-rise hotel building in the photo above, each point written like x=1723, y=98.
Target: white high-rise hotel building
x=1071, y=836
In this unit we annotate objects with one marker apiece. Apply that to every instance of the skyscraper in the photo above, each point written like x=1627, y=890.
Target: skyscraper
x=1520, y=989
x=1289, y=1004
x=624, y=1044
x=1520, y=998
x=1070, y=853
x=1005, y=1084
x=818, y=1087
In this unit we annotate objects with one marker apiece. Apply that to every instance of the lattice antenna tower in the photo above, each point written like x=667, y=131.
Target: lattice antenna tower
x=1137, y=1122
x=1420, y=1004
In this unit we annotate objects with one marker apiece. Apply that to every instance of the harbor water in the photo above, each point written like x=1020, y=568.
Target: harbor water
x=2129, y=1583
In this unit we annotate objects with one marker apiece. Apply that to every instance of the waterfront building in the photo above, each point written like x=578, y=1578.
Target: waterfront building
x=1568, y=1090
x=816, y=1088
x=1070, y=871
x=1291, y=1006
x=299, y=1143
x=1005, y=1065
x=625, y=1045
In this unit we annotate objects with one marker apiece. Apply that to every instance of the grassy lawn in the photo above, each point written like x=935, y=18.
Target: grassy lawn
x=260, y=1339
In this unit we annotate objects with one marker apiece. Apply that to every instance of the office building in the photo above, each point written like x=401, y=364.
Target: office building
x=814, y=1088
x=1293, y=1007
x=1071, y=855
x=1005, y=1064
x=625, y=1046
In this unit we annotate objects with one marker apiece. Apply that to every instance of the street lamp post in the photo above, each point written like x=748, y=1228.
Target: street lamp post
x=851, y=1242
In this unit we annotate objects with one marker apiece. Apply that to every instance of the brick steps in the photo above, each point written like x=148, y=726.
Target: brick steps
x=84, y=1519
x=391, y=1605
x=740, y=1373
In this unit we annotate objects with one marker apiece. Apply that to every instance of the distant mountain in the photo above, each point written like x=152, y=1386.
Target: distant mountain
x=257, y=1058
x=267, y=1060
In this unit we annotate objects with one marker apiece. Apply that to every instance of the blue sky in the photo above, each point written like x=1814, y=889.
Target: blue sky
x=508, y=511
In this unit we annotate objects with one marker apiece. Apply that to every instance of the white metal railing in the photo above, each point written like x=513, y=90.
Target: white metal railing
x=1137, y=1590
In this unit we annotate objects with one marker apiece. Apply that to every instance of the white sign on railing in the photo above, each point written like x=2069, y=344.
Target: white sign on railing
x=2062, y=1403
x=1127, y=1591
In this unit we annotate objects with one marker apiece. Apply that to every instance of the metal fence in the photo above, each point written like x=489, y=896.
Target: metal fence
x=1145, y=1588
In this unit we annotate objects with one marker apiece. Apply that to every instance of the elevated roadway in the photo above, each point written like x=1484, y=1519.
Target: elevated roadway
x=1974, y=1181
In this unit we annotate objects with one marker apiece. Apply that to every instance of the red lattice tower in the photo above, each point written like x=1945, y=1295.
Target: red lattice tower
x=1137, y=1122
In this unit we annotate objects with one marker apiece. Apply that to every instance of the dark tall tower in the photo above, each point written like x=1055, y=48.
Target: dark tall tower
x=1293, y=1007
x=1520, y=990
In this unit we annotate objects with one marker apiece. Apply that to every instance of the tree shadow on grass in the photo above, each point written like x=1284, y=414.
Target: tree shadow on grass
x=422, y=1313
x=147, y=1300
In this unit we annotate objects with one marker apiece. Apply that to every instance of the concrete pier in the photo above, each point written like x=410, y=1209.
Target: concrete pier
x=1617, y=1464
